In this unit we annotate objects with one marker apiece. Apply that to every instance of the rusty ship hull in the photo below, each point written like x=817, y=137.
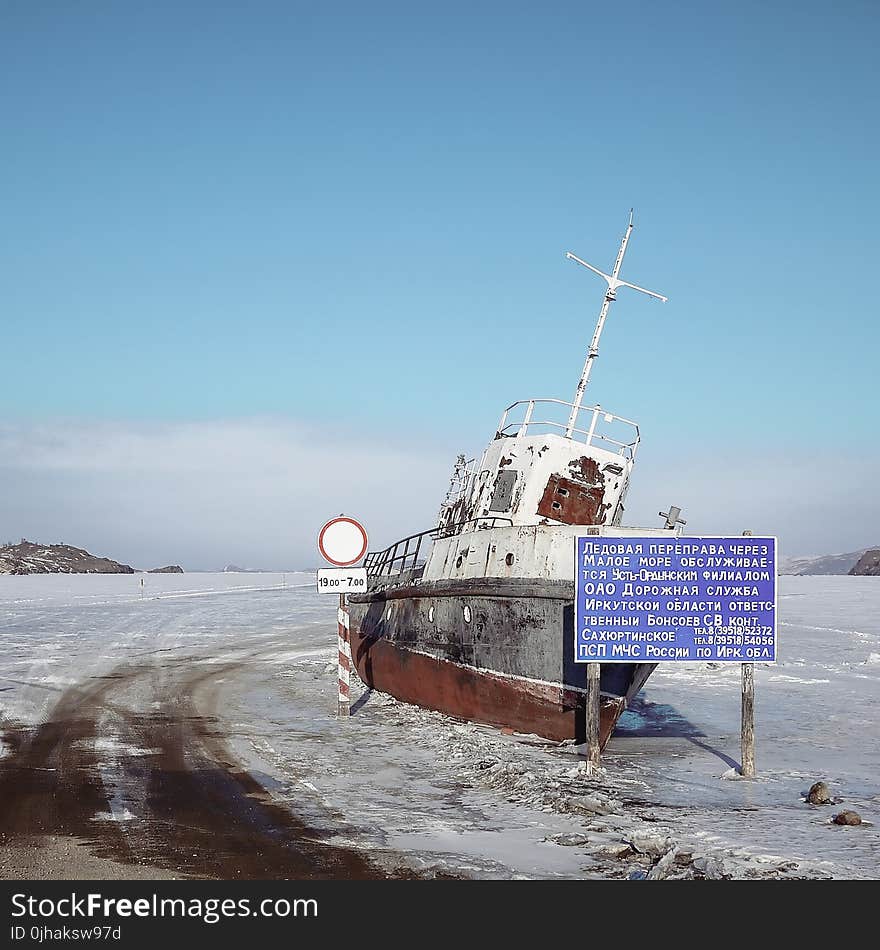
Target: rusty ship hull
x=494, y=651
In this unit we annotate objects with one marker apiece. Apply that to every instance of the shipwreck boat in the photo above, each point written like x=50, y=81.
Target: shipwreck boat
x=475, y=616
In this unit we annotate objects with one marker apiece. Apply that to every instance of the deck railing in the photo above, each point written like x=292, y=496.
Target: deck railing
x=400, y=556
x=592, y=424
x=403, y=555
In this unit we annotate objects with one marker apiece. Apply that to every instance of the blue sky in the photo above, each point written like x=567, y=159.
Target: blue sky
x=352, y=219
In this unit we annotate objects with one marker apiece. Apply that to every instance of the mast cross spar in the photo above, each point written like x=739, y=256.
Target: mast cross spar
x=613, y=282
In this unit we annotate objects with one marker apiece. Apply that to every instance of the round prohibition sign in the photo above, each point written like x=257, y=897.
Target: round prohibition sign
x=343, y=541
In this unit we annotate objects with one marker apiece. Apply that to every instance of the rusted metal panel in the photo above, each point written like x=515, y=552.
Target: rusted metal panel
x=572, y=502
x=586, y=471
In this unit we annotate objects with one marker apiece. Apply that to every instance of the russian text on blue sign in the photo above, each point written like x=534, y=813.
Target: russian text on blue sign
x=652, y=600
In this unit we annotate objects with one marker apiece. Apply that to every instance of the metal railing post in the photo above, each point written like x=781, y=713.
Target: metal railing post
x=593, y=422
x=527, y=418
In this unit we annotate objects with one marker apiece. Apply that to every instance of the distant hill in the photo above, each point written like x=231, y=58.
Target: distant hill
x=826, y=564
x=868, y=565
x=29, y=557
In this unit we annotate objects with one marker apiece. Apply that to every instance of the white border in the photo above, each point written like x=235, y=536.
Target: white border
x=327, y=557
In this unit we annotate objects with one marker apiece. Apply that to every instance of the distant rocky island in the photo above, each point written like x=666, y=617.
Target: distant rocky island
x=868, y=564
x=827, y=563
x=31, y=557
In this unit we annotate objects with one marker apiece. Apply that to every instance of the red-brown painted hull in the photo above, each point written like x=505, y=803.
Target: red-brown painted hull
x=477, y=695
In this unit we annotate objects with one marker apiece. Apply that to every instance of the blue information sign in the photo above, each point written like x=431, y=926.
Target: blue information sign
x=652, y=600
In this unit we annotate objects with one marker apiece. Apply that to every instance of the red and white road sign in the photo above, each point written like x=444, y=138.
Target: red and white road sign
x=343, y=541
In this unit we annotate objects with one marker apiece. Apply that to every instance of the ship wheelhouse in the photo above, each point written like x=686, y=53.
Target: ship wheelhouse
x=513, y=512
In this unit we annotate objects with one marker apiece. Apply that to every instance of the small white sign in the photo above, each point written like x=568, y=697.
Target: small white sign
x=342, y=580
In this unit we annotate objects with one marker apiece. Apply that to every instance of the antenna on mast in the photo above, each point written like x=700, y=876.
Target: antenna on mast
x=613, y=282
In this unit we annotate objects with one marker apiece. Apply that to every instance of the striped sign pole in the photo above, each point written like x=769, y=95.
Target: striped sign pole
x=343, y=542
x=343, y=707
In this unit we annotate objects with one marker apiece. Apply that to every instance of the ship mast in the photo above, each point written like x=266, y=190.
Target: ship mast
x=613, y=282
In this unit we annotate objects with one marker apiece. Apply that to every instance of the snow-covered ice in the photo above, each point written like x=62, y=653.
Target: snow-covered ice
x=466, y=798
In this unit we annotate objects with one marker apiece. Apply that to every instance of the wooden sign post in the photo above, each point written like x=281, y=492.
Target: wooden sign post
x=747, y=729
x=748, y=720
x=592, y=714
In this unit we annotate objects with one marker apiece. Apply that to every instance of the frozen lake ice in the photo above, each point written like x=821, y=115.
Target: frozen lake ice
x=468, y=800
